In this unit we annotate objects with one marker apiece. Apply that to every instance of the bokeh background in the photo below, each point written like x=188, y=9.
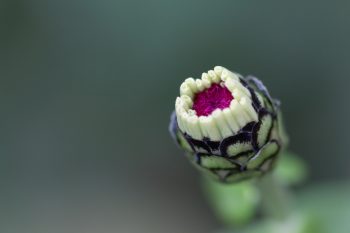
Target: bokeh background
x=87, y=87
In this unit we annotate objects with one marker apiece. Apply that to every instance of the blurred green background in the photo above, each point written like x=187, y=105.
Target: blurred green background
x=87, y=88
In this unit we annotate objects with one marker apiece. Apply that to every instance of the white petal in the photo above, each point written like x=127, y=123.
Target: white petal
x=248, y=108
x=206, y=80
x=209, y=128
x=194, y=129
x=200, y=85
x=218, y=70
x=238, y=94
x=239, y=114
x=230, y=119
x=187, y=100
x=214, y=78
x=232, y=84
x=185, y=90
x=224, y=129
x=180, y=120
x=192, y=84
x=184, y=118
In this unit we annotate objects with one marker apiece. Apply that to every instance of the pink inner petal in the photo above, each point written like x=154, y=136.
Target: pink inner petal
x=210, y=99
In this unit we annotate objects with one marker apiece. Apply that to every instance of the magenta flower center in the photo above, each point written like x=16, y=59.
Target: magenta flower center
x=210, y=99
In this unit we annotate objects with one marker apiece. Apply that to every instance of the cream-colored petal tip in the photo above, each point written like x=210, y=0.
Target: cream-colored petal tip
x=185, y=90
x=206, y=80
x=214, y=78
x=224, y=74
x=227, y=74
x=192, y=84
x=218, y=70
x=186, y=99
x=200, y=85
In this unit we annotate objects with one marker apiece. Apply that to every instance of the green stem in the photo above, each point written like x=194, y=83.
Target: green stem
x=275, y=198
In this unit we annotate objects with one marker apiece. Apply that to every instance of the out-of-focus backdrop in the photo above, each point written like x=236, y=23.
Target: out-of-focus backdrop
x=87, y=87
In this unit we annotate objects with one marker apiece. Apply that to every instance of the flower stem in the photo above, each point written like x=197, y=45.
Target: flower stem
x=275, y=198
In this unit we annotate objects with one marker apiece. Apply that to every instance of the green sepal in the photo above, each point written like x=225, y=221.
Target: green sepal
x=243, y=158
x=268, y=151
x=239, y=147
x=266, y=123
x=216, y=162
x=183, y=143
x=244, y=175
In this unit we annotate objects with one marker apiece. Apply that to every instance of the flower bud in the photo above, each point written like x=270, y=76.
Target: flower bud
x=228, y=125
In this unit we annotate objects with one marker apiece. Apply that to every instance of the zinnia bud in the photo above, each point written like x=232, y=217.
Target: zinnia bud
x=229, y=126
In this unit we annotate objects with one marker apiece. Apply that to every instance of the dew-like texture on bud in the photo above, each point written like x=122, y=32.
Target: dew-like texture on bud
x=228, y=125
